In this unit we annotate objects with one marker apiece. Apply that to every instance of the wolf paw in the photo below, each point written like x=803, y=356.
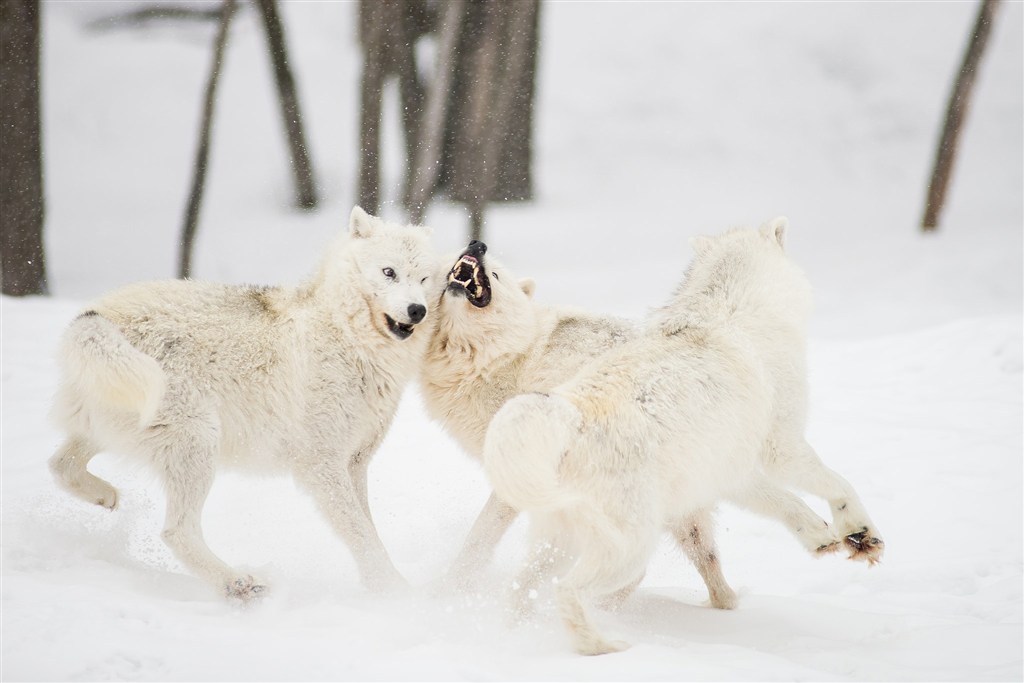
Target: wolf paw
x=827, y=548
x=864, y=546
x=245, y=589
x=107, y=500
x=601, y=647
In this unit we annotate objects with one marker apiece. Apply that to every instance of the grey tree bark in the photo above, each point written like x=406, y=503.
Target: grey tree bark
x=23, y=262
x=956, y=113
x=188, y=232
x=302, y=168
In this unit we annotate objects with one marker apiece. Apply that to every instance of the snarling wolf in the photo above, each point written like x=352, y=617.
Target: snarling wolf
x=493, y=342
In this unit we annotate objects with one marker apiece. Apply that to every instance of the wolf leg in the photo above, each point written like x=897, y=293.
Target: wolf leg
x=695, y=536
x=801, y=467
x=768, y=499
x=344, y=503
x=545, y=561
x=187, y=462
x=491, y=524
x=585, y=637
x=68, y=465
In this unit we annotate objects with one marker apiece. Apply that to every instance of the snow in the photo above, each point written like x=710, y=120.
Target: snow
x=655, y=122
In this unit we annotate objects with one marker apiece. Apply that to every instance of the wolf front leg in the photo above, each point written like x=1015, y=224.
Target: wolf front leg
x=343, y=502
x=800, y=466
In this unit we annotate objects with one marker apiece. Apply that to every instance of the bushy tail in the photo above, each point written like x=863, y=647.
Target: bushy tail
x=100, y=364
x=523, y=448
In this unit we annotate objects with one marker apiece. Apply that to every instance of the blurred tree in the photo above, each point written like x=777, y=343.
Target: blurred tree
x=487, y=142
x=23, y=266
x=188, y=232
x=388, y=31
x=301, y=166
x=469, y=137
x=956, y=112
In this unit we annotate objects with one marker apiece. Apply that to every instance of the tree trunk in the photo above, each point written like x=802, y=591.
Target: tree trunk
x=188, y=232
x=486, y=151
x=23, y=266
x=425, y=164
x=956, y=112
x=305, y=189
x=372, y=15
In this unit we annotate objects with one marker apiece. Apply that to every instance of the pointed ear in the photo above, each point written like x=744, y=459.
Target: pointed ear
x=528, y=286
x=701, y=244
x=775, y=230
x=360, y=223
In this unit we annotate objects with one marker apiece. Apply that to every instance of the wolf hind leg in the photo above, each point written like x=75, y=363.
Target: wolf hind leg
x=696, y=538
x=187, y=464
x=68, y=465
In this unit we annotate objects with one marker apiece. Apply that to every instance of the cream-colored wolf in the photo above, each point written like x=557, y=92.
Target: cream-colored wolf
x=709, y=404
x=192, y=377
x=491, y=342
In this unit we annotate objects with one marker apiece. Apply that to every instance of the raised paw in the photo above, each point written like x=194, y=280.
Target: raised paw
x=827, y=548
x=245, y=588
x=865, y=546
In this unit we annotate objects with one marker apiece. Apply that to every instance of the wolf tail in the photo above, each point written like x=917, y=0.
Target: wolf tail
x=523, y=449
x=100, y=363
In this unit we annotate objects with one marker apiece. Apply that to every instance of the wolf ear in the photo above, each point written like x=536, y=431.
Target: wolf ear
x=528, y=286
x=701, y=244
x=775, y=230
x=360, y=223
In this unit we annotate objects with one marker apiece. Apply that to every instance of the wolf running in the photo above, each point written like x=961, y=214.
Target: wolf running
x=193, y=377
x=709, y=404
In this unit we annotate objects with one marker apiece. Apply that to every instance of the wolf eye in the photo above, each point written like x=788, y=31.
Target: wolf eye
x=389, y=273
x=494, y=275
x=423, y=281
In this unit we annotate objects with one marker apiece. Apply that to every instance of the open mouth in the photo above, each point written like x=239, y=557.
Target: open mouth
x=467, y=277
x=400, y=330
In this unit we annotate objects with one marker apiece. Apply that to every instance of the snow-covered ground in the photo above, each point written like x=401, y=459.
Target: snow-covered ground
x=655, y=122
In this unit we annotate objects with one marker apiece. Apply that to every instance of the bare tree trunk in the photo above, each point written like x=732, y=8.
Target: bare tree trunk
x=372, y=17
x=425, y=164
x=301, y=167
x=188, y=232
x=23, y=266
x=507, y=76
x=479, y=126
x=956, y=112
x=515, y=177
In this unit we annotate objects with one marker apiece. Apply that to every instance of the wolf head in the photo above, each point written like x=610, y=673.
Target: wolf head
x=484, y=312
x=392, y=268
x=742, y=270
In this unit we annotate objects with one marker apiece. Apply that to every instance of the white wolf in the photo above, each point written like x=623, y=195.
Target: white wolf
x=492, y=342
x=193, y=376
x=709, y=404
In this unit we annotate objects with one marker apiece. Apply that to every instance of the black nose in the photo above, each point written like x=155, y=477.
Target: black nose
x=476, y=249
x=416, y=312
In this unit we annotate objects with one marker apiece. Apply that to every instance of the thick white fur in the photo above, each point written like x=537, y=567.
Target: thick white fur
x=709, y=404
x=478, y=358
x=191, y=377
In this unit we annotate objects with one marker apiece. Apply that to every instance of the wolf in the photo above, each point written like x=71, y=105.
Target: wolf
x=708, y=404
x=492, y=341
x=192, y=377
